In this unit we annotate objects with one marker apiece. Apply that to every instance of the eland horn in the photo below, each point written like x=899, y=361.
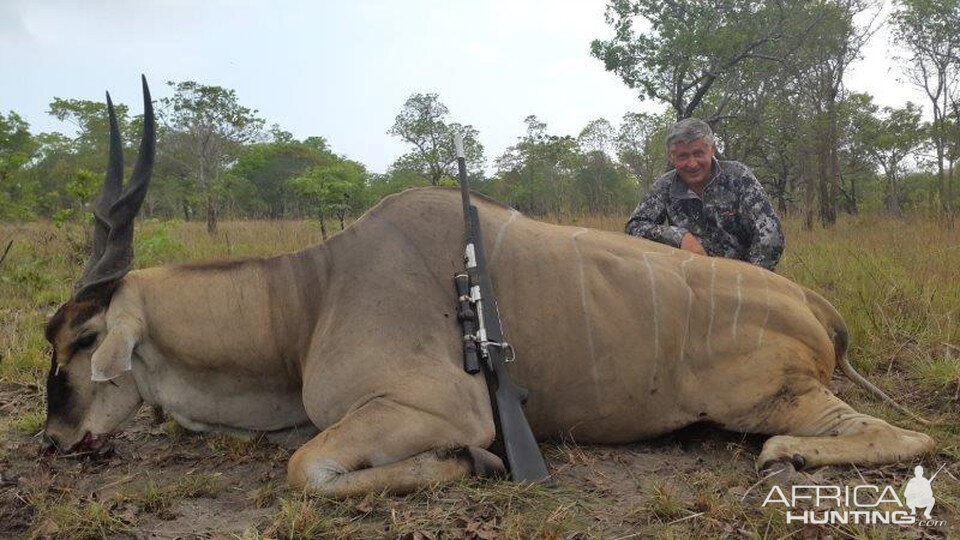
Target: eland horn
x=117, y=206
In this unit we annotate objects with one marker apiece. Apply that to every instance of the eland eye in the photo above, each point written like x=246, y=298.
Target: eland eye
x=84, y=342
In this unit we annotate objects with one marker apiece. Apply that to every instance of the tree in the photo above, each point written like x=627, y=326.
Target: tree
x=835, y=45
x=603, y=184
x=691, y=49
x=596, y=136
x=641, y=145
x=17, y=148
x=70, y=167
x=888, y=139
x=858, y=170
x=928, y=30
x=92, y=125
x=423, y=123
x=334, y=188
x=768, y=131
x=537, y=174
x=268, y=167
x=208, y=125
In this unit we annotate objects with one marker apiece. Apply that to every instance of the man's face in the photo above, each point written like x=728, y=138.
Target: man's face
x=693, y=161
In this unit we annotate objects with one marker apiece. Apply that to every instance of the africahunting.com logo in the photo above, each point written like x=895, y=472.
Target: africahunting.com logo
x=865, y=504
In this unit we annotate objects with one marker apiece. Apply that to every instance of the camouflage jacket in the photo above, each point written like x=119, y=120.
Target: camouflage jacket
x=733, y=219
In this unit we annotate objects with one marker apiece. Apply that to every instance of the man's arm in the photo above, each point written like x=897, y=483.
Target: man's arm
x=648, y=218
x=766, y=243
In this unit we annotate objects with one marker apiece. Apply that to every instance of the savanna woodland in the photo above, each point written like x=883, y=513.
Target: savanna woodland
x=868, y=194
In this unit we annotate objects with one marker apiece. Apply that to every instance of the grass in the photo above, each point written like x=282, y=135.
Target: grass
x=155, y=497
x=236, y=447
x=896, y=282
x=665, y=503
x=30, y=422
x=472, y=508
x=63, y=517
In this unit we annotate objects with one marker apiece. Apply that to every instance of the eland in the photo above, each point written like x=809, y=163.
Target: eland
x=618, y=339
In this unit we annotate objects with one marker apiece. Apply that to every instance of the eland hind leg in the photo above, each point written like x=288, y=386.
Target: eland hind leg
x=815, y=428
x=384, y=445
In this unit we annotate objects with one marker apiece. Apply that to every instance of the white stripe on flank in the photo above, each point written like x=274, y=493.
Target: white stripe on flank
x=670, y=270
x=713, y=302
x=500, y=233
x=686, y=328
x=766, y=314
x=584, y=305
x=656, y=316
x=736, y=314
x=656, y=311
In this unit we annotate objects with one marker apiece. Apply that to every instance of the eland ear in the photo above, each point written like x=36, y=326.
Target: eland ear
x=112, y=357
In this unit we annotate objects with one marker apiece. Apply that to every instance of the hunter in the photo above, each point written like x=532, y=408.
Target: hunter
x=707, y=206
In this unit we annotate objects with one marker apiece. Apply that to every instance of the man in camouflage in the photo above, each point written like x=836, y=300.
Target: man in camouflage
x=706, y=206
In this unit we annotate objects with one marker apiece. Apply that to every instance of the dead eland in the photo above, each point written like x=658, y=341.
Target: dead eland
x=619, y=339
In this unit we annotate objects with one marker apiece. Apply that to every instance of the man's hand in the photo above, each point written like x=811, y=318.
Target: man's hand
x=690, y=242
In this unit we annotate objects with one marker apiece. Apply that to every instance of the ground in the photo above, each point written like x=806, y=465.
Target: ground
x=898, y=292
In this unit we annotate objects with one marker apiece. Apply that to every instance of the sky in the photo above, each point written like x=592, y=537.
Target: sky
x=342, y=70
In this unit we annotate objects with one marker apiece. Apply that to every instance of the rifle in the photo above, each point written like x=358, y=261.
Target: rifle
x=483, y=344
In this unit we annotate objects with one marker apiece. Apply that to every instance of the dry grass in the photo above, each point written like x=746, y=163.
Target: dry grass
x=60, y=516
x=472, y=509
x=154, y=496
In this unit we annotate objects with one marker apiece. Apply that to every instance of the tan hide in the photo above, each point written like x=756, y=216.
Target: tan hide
x=617, y=339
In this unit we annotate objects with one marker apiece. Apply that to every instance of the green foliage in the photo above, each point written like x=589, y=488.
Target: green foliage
x=154, y=244
x=641, y=145
x=554, y=175
x=537, y=174
x=691, y=47
x=767, y=75
x=17, y=148
x=888, y=140
x=927, y=29
x=423, y=123
x=770, y=106
x=268, y=167
x=394, y=181
x=206, y=128
x=52, y=172
x=333, y=189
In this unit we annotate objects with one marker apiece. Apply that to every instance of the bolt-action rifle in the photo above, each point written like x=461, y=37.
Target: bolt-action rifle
x=484, y=347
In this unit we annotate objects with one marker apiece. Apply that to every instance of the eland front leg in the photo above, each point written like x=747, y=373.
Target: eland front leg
x=386, y=445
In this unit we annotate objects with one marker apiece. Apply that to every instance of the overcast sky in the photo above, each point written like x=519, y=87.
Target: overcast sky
x=342, y=70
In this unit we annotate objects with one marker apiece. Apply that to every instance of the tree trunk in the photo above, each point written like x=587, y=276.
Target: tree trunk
x=941, y=174
x=207, y=184
x=823, y=183
x=211, y=213
x=323, y=227
x=809, y=191
x=833, y=178
x=894, y=206
x=827, y=170
x=854, y=209
x=949, y=194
